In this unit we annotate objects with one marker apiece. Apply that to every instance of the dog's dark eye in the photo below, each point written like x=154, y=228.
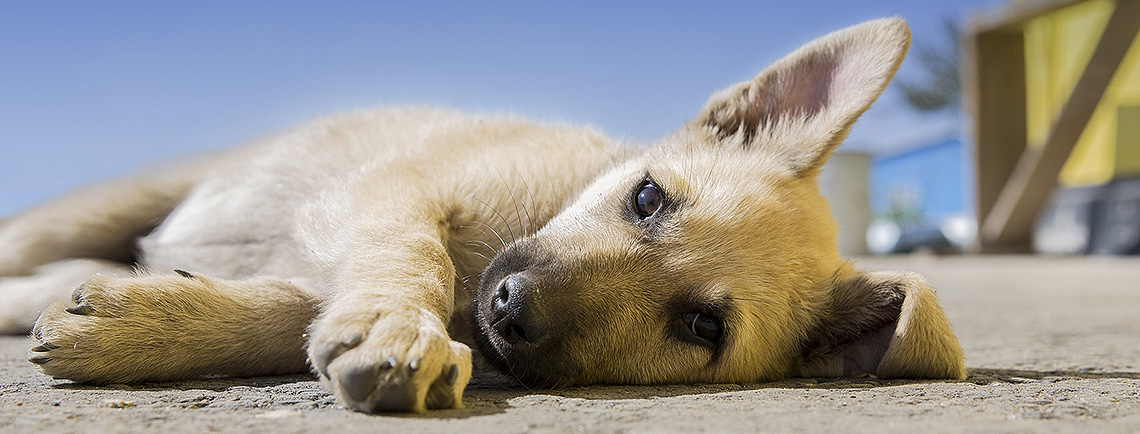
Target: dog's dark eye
x=648, y=200
x=704, y=326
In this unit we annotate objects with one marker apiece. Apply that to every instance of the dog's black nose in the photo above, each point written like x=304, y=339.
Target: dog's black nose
x=514, y=318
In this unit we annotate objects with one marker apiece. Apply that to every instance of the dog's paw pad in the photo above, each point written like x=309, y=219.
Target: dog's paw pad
x=397, y=366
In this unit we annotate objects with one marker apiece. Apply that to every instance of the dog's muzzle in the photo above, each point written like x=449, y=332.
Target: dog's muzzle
x=522, y=321
x=512, y=317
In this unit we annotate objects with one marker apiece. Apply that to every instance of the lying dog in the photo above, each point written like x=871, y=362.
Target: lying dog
x=376, y=248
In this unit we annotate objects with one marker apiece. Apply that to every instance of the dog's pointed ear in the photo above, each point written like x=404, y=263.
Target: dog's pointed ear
x=801, y=107
x=888, y=324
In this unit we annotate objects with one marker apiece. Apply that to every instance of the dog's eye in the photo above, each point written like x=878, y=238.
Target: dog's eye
x=648, y=200
x=704, y=326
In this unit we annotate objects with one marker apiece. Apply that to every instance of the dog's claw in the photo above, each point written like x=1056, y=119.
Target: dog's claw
x=388, y=363
x=83, y=309
x=414, y=364
x=39, y=360
x=185, y=274
x=44, y=347
x=352, y=341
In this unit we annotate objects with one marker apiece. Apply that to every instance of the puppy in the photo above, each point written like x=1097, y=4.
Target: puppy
x=377, y=248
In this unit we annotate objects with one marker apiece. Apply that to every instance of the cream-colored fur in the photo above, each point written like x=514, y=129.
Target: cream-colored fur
x=377, y=244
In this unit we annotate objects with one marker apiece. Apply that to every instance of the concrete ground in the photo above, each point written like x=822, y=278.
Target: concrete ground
x=1053, y=344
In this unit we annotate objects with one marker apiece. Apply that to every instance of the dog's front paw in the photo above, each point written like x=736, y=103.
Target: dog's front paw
x=395, y=360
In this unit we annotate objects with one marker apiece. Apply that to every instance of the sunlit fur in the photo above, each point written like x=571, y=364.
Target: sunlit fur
x=377, y=238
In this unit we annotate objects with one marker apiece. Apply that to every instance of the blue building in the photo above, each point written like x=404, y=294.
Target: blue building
x=923, y=185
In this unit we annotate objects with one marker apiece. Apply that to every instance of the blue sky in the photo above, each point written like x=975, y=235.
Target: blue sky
x=90, y=90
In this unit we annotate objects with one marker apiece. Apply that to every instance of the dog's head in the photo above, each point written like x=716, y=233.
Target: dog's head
x=712, y=258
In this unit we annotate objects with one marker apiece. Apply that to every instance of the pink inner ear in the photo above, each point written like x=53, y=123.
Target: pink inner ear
x=800, y=92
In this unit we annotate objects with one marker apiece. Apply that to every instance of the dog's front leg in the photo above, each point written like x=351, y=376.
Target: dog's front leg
x=381, y=342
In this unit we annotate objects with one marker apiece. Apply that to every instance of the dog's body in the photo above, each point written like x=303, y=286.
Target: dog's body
x=383, y=245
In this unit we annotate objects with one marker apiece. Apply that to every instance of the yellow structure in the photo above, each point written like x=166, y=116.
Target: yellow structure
x=1058, y=46
x=1052, y=93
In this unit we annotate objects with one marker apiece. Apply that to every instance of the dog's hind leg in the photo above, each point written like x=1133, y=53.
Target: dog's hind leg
x=26, y=296
x=155, y=327
x=52, y=247
x=101, y=221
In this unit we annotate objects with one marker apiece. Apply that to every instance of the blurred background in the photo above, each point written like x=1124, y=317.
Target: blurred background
x=1011, y=127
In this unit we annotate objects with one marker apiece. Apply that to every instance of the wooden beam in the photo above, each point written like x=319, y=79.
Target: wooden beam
x=1010, y=221
x=993, y=83
x=1015, y=14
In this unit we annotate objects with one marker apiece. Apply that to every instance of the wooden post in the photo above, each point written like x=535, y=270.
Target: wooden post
x=994, y=91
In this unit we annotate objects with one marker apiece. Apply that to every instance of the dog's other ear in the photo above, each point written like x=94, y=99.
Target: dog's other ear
x=800, y=108
x=885, y=323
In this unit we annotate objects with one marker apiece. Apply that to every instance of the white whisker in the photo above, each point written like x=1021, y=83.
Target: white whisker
x=502, y=243
x=529, y=218
x=511, y=191
x=476, y=243
x=500, y=215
